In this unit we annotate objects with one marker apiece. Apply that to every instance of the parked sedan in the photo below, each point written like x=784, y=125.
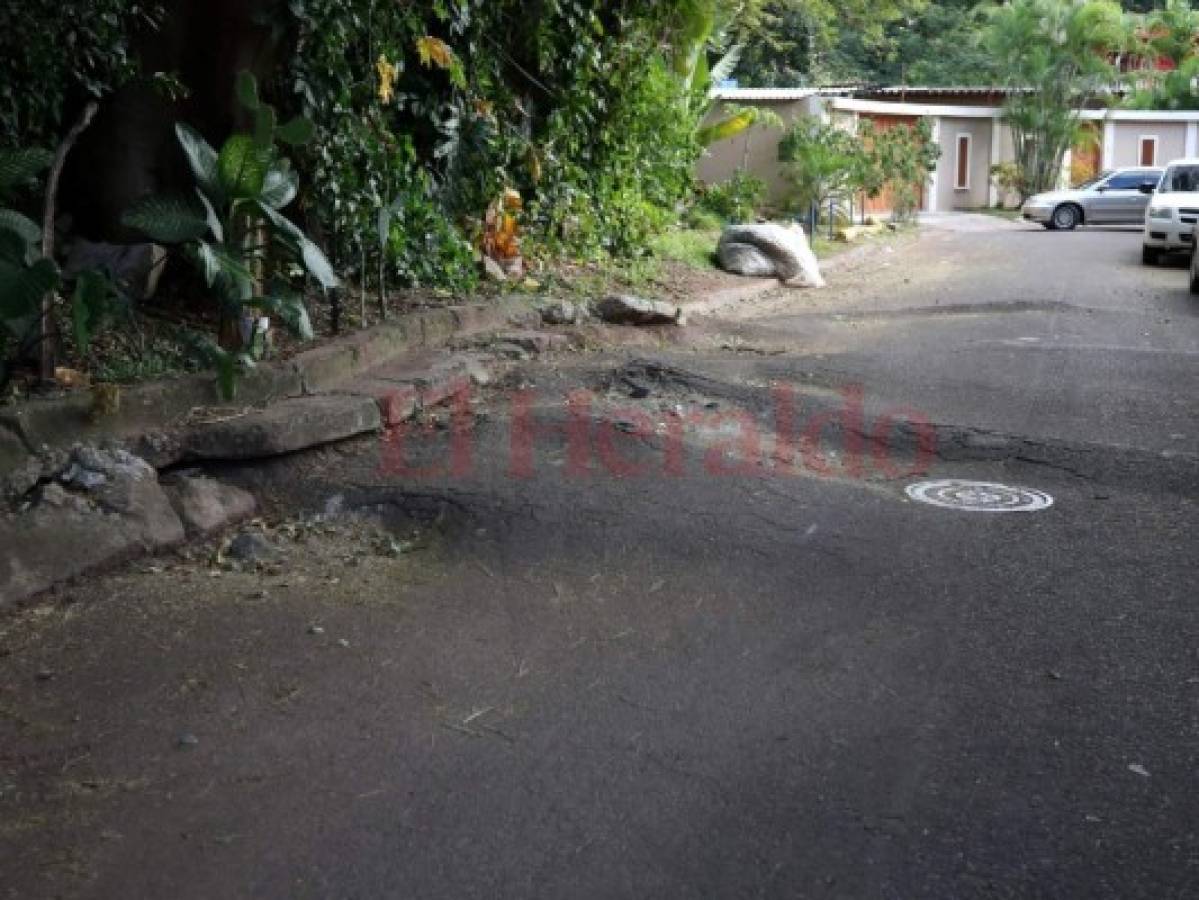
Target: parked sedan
x=1114, y=198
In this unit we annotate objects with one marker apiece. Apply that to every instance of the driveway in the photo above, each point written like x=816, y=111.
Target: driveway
x=672, y=625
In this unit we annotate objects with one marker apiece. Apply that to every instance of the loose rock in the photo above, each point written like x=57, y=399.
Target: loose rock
x=250, y=546
x=205, y=505
x=622, y=309
x=561, y=312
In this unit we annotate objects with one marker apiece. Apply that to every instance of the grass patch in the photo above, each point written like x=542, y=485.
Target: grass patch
x=688, y=246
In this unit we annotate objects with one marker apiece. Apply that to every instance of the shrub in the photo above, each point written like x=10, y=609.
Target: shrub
x=55, y=51
x=735, y=200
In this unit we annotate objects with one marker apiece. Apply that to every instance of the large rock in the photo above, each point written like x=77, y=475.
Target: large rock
x=137, y=267
x=534, y=342
x=205, y=505
x=622, y=309
x=769, y=249
x=561, y=312
x=284, y=428
x=103, y=507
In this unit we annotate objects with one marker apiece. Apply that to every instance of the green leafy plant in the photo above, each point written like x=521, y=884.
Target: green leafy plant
x=902, y=157
x=27, y=276
x=1167, y=41
x=819, y=161
x=720, y=121
x=1009, y=180
x=231, y=227
x=1058, y=58
x=735, y=200
x=52, y=51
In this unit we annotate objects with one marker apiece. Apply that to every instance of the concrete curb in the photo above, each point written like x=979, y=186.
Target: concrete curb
x=360, y=384
x=156, y=408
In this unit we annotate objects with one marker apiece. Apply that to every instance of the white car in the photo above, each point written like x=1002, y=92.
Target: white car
x=1173, y=212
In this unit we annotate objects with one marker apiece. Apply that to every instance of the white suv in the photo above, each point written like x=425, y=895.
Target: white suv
x=1173, y=211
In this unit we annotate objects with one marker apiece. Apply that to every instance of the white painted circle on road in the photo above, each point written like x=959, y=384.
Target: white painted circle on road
x=979, y=496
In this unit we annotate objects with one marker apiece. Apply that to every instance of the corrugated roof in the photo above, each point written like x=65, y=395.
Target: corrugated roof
x=923, y=89
x=760, y=94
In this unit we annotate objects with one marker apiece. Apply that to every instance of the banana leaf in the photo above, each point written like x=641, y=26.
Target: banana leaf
x=25, y=230
x=315, y=260
x=727, y=128
x=242, y=166
x=202, y=159
x=168, y=219
x=291, y=311
x=281, y=186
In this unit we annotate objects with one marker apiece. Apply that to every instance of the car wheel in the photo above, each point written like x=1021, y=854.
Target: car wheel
x=1066, y=217
x=1150, y=255
x=1195, y=272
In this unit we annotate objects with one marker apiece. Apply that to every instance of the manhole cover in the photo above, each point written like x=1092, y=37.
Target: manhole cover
x=979, y=496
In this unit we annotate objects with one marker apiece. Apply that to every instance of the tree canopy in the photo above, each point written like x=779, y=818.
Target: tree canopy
x=926, y=42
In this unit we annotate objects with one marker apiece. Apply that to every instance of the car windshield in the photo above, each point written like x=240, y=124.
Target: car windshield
x=1091, y=182
x=1180, y=180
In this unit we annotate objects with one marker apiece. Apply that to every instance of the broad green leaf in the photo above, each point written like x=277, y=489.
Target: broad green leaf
x=202, y=159
x=291, y=310
x=726, y=128
x=281, y=186
x=89, y=304
x=243, y=166
x=13, y=248
x=210, y=267
x=23, y=287
x=296, y=132
x=247, y=90
x=17, y=167
x=265, y=121
x=314, y=259
x=225, y=272
x=24, y=228
x=214, y=221
x=170, y=219
x=213, y=354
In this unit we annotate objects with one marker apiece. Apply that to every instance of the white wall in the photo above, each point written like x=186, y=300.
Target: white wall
x=949, y=196
x=756, y=149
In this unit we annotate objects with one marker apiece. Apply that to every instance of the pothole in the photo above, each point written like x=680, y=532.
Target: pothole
x=979, y=496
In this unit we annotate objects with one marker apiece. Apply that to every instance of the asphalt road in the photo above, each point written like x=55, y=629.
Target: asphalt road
x=687, y=637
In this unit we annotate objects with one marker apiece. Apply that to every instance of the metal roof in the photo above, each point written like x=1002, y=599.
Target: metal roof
x=802, y=93
x=764, y=94
x=962, y=90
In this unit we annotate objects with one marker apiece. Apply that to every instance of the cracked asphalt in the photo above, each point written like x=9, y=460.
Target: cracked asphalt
x=672, y=627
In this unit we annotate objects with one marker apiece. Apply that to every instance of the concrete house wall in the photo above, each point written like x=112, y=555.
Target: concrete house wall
x=1171, y=142
x=756, y=149
x=949, y=195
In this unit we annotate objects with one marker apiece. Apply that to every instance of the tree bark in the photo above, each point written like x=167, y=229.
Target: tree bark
x=48, y=346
